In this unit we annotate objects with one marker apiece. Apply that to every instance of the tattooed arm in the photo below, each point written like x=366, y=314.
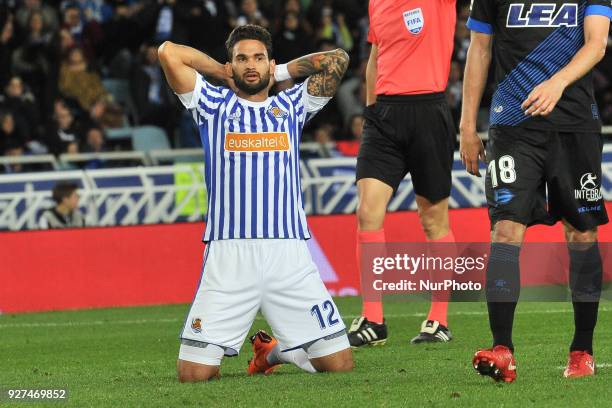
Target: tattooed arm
x=325, y=70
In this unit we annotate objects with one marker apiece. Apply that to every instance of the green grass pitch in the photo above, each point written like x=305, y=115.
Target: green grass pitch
x=126, y=358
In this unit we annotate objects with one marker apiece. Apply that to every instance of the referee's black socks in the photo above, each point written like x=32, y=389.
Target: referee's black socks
x=586, y=274
x=503, y=288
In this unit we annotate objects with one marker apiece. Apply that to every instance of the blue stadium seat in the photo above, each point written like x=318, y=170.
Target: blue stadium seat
x=120, y=90
x=146, y=138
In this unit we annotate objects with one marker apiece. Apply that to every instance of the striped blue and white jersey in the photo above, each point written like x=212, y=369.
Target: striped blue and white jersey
x=251, y=160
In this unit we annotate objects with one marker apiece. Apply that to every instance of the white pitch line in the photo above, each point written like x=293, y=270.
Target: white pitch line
x=88, y=323
x=597, y=366
x=176, y=320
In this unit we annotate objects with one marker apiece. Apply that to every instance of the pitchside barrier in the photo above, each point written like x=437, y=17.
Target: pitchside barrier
x=175, y=193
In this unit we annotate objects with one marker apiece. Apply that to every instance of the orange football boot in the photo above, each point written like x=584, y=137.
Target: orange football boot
x=263, y=344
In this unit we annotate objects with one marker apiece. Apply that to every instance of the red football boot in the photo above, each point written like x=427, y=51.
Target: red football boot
x=263, y=344
x=579, y=364
x=498, y=363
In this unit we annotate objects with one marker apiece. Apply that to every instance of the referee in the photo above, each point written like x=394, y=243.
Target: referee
x=408, y=129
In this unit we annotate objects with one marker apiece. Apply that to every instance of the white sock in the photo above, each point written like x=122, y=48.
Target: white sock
x=297, y=357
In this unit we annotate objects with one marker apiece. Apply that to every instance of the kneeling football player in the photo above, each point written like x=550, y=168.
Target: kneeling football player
x=256, y=258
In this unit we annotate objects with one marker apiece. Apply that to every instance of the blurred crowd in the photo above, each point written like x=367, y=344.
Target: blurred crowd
x=62, y=64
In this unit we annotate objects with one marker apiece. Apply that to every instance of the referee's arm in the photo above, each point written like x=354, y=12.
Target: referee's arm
x=180, y=64
x=475, y=78
x=371, y=74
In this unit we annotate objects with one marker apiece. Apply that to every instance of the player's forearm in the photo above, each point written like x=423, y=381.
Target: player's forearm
x=474, y=82
x=174, y=56
x=585, y=59
x=371, y=74
x=335, y=61
x=325, y=70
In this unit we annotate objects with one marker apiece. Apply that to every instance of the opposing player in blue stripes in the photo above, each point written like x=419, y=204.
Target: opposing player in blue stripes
x=256, y=256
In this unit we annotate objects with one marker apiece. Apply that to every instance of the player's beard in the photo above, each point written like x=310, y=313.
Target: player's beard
x=252, y=88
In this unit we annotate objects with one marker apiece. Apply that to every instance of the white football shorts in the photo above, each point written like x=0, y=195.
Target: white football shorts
x=241, y=277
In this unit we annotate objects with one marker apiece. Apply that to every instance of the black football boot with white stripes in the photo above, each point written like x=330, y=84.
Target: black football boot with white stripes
x=431, y=332
x=365, y=333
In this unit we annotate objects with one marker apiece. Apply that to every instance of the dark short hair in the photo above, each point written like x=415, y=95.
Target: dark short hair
x=63, y=189
x=248, y=32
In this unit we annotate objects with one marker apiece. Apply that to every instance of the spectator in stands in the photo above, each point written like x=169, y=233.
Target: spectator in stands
x=110, y=34
x=12, y=139
x=122, y=36
x=94, y=141
x=12, y=142
x=92, y=10
x=335, y=29
x=192, y=15
x=35, y=60
x=65, y=133
x=295, y=7
x=250, y=14
x=22, y=104
x=350, y=147
x=291, y=41
x=165, y=20
x=154, y=100
x=323, y=135
x=106, y=113
x=66, y=42
x=87, y=34
x=47, y=13
x=72, y=20
x=66, y=212
x=7, y=45
x=78, y=82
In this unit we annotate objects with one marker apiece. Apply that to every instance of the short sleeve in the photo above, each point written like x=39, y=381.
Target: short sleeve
x=371, y=34
x=204, y=100
x=306, y=106
x=599, y=8
x=482, y=16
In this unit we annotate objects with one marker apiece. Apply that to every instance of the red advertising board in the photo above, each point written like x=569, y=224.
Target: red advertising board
x=160, y=264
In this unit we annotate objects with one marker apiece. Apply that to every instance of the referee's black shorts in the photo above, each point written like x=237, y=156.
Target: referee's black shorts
x=409, y=134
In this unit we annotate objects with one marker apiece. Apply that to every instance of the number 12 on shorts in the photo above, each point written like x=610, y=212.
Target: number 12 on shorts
x=507, y=173
x=328, y=307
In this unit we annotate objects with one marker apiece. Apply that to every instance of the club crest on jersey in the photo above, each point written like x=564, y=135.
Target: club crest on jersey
x=277, y=112
x=543, y=15
x=414, y=20
x=196, y=325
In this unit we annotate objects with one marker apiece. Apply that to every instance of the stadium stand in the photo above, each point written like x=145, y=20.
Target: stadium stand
x=133, y=120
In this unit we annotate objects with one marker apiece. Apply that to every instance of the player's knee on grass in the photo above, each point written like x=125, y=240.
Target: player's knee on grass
x=188, y=371
x=199, y=362
x=510, y=232
x=433, y=217
x=330, y=354
x=340, y=361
